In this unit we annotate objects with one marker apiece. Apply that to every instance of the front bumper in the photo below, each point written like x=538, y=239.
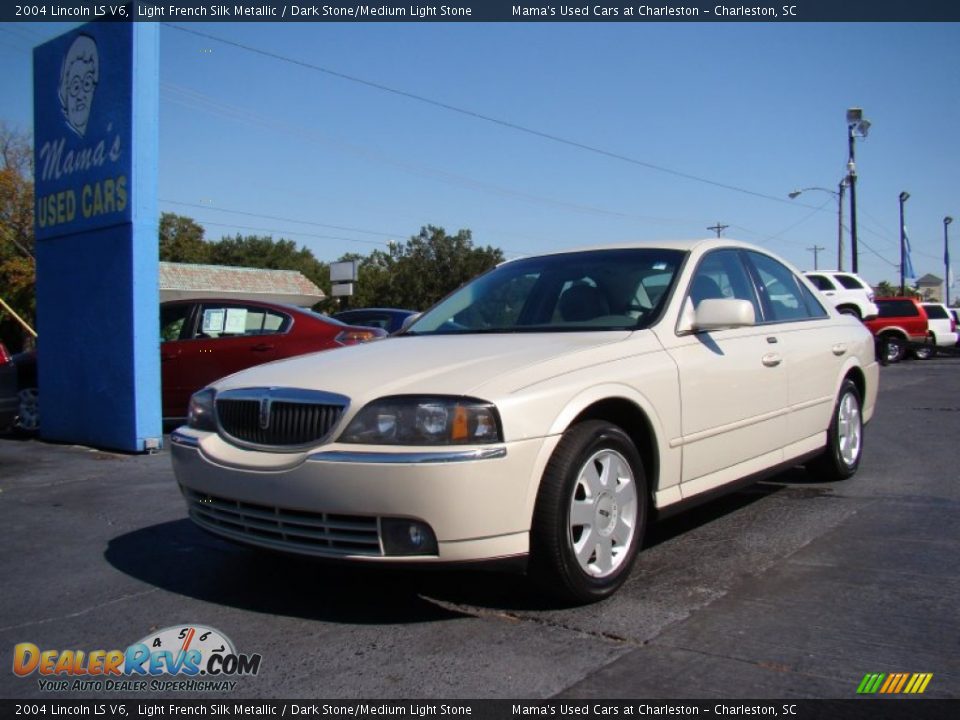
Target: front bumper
x=336, y=503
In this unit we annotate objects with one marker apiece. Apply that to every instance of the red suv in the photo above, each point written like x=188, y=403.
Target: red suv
x=900, y=323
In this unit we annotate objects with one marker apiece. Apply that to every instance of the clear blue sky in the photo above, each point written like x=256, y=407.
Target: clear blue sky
x=756, y=106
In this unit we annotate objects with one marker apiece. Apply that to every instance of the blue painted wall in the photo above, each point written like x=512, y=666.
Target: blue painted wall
x=96, y=106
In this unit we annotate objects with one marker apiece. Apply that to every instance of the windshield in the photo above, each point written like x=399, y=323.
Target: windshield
x=592, y=290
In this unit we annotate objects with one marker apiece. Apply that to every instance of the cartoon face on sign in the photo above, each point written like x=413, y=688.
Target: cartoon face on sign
x=78, y=81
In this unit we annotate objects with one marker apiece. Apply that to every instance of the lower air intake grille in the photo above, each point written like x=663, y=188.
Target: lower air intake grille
x=292, y=530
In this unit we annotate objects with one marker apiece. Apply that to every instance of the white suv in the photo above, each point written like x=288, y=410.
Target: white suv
x=848, y=292
x=943, y=330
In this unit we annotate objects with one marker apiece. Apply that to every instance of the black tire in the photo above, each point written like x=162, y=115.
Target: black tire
x=614, y=524
x=841, y=457
x=895, y=348
x=924, y=352
x=849, y=310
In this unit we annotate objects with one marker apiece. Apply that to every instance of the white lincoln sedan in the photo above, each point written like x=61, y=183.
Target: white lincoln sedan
x=544, y=411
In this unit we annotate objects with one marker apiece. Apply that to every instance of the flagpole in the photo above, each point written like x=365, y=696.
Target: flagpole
x=904, y=196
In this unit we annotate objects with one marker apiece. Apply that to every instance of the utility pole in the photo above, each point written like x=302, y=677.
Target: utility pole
x=946, y=261
x=718, y=228
x=816, y=250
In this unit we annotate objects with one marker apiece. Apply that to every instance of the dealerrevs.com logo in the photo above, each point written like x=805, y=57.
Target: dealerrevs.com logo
x=185, y=658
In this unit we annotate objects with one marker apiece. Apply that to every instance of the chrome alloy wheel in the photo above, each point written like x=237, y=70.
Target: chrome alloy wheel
x=603, y=513
x=28, y=413
x=849, y=429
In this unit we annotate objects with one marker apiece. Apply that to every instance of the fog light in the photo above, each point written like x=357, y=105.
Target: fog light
x=407, y=537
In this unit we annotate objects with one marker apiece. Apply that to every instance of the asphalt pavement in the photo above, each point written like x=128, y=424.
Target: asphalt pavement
x=791, y=588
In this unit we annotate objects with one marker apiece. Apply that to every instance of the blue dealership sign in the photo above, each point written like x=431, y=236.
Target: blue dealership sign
x=83, y=128
x=96, y=102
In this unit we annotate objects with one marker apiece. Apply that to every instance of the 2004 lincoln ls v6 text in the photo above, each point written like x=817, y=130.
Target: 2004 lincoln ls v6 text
x=544, y=410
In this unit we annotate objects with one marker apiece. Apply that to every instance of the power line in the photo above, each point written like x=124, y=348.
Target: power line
x=477, y=115
x=191, y=98
x=282, y=219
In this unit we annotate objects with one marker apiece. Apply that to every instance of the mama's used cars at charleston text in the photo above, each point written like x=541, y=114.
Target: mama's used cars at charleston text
x=545, y=410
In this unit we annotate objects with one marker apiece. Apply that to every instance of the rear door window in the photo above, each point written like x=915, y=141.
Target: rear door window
x=218, y=321
x=821, y=282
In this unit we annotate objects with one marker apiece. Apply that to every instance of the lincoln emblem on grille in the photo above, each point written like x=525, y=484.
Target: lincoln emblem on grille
x=265, y=412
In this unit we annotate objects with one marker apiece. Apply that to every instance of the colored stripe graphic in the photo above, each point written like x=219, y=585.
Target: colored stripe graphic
x=870, y=683
x=894, y=683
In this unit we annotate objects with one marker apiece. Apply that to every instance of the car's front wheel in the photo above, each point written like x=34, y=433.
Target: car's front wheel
x=924, y=352
x=590, y=513
x=841, y=457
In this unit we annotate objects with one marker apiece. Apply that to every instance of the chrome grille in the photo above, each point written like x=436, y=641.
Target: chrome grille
x=293, y=530
x=278, y=418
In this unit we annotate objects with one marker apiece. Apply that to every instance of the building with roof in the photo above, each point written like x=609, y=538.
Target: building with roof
x=930, y=288
x=182, y=281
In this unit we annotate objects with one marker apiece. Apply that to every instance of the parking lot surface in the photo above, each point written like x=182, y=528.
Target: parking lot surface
x=790, y=588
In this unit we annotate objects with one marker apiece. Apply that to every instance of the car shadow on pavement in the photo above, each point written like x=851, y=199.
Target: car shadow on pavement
x=180, y=558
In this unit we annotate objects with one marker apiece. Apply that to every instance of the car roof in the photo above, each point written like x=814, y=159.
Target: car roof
x=684, y=245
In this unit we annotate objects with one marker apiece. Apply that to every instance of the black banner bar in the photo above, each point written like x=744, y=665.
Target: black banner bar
x=111, y=709
x=484, y=11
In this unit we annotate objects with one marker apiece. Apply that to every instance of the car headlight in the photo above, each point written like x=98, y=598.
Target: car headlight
x=419, y=420
x=202, y=412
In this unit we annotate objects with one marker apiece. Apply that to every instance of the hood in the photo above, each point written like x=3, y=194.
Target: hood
x=434, y=364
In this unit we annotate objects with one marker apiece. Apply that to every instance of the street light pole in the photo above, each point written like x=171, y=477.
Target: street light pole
x=904, y=196
x=946, y=261
x=857, y=125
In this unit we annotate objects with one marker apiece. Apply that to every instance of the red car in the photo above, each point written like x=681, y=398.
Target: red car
x=900, y=323
x=203, y=340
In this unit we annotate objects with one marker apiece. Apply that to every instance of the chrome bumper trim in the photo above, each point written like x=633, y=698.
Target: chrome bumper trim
x=178, y=438
x=408, y=458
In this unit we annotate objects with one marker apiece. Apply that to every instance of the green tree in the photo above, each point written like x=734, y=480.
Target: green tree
x=181, y=240
x=886, y=289
x=421, y=271
x=262, y=251
x=17, y=267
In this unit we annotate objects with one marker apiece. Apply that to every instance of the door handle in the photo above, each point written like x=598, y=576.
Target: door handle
x=839, y=349
x=771, y=359
x=262, y=347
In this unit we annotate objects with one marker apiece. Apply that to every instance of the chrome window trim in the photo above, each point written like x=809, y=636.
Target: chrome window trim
x=408, y=458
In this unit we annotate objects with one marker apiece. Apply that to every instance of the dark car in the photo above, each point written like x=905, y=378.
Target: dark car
x=203, y=340
x=19, y=407
x=8, y=389
x=389, y=319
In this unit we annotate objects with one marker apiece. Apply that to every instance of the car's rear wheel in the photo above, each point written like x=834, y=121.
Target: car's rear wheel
x=28, y=411
x=849, y=310
x=590, y=513
x=841, y=457
x=894, y=348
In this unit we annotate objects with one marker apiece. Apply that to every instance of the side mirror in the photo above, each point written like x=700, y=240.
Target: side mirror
x=725, y=313
x=717, y=314
x=407, y=322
